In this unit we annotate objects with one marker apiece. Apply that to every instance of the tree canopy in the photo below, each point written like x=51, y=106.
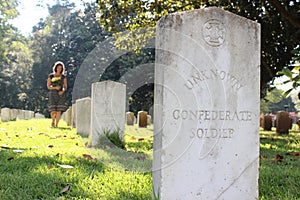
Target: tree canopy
x=279, y=19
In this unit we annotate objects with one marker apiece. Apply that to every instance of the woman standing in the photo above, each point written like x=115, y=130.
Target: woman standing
x=57, y=85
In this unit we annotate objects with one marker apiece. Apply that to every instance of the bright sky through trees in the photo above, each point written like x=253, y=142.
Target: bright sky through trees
x=30, y=13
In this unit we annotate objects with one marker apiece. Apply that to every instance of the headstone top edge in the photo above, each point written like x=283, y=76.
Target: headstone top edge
x=108, y=82
x=205, y=10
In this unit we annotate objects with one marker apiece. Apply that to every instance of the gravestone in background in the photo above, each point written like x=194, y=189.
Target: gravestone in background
x=206, y=127
x=149, y=121
x=283, y=122
x=5, y=114
x=130, y=118
x=73, y=115
x=108, y=109
x=21, y=115
x=267, y=123
x=142, y=119
x=83, y=116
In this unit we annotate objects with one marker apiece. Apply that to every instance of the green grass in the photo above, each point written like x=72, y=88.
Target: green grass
x=112, y=173
x=279, y=171
x=36, y=173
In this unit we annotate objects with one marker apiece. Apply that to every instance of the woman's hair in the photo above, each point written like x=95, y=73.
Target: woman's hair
x=57, y=64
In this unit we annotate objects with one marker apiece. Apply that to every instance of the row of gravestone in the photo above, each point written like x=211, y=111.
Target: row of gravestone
x=92, y=116
x=281, y=121
x=8, y=114
x=206, y=106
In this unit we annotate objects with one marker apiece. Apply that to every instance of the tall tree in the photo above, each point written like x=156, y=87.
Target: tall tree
x=280, y=22
x=68, y=35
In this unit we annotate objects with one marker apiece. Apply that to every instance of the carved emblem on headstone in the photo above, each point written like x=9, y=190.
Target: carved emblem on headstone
x=214, y=32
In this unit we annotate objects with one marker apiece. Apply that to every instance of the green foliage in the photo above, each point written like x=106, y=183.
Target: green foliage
x=133, y=23
x=275, y=101
x=38, y=171
x=115, y=138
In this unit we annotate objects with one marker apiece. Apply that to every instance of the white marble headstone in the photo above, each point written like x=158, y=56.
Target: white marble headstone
x=107, y=109
x=5, y=114
x=207, y=75
x=83, y=116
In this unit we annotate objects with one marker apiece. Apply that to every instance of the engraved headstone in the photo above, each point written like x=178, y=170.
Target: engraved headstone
x=283, y=122
x=83, y=116
x=267, y=123
x=129, y=118
x=206, y=108
x=142, y=119
x=108, y=109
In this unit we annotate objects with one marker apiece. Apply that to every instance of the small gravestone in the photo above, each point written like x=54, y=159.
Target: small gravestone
x=267, y=123
x=5, y=114
x=149, y=121
x=206, y=106
x=21, y=115
x=73, y=116
x=108, y=110
x=130, y=118
x=68, y=116
x=83, y=116
x=283, y=122
x=28, y=114
x=142, y=119
x=39, y=116
x=14, y=114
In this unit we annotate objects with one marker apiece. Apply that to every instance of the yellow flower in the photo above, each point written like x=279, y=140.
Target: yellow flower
x=54, y=79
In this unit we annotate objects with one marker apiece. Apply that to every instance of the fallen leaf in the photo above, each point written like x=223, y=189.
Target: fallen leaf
x=65, y=166
x=40, y=133
x=65, y=189
x=50, y=166
x=141, y=139
x=132, y=138
x=279, y=157
x=88, y=156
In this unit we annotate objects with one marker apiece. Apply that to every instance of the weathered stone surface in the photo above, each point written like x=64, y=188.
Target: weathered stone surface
x=283, y=122
x=142, y=119
x=130, y=118
x=108, y=109
x=149, y=120
x=73, y=116
x=39, y=116
x=267, y=123
x=5, y=114
x=83, y=116
x=206, y=127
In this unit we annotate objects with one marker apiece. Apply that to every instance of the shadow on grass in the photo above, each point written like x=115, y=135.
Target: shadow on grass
x=25, y=177
x=124, y=160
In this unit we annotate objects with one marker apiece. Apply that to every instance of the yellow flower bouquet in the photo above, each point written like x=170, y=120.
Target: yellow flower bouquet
x=55, y=81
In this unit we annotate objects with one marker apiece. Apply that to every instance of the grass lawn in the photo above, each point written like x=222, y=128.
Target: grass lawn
x=39, y=162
